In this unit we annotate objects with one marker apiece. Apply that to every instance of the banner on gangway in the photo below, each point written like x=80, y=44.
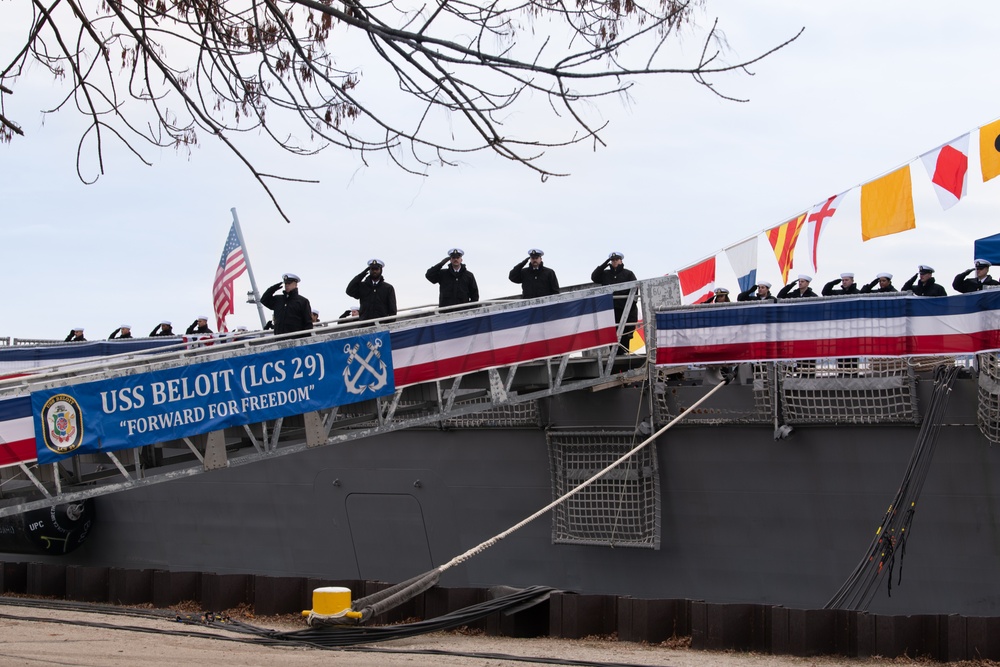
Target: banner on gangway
x=156, y=406
x=436, y=351
x=862, y=326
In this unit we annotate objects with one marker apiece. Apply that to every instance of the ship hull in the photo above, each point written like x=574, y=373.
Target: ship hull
x=742, y=518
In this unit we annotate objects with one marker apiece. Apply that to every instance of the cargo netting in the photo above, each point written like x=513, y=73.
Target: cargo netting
x=848, y=391
x=622, y=508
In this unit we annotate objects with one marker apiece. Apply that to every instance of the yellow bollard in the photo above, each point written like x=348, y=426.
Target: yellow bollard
x=329, y=601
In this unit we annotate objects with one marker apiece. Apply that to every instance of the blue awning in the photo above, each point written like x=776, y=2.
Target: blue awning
x=988, y=248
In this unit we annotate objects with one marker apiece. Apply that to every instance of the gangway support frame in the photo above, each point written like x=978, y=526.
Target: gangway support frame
x=215, y=451
x=427, y=404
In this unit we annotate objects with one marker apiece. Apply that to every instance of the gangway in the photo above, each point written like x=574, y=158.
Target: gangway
x=488, y=362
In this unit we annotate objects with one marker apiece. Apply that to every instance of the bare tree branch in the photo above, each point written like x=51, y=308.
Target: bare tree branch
x=164, y=72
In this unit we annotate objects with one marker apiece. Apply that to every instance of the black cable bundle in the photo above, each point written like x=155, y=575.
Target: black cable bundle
x=890, y=539
x=346, y=635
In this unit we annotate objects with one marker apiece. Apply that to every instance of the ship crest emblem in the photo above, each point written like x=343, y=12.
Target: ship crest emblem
x=371, y=364
x=62, y=425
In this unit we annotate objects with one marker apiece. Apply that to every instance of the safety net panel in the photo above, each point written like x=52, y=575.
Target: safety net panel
x=523, y=414
x=988, y=414
x=764, y=378
x=622, y=508
x=502, y=416
x=734, y=407
x=849, y=390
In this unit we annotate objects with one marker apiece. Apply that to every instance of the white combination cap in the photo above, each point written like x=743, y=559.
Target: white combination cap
x=721, y=290
x=983, y=262
x=617, y=254
x=456, y=252
x=376, y=262
x=923, y=268
x=290, y=278
x=535, y=251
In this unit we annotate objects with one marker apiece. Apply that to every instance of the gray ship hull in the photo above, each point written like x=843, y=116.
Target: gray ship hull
x=743, y=517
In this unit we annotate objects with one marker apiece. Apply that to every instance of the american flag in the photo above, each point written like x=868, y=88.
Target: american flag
x=231, y=266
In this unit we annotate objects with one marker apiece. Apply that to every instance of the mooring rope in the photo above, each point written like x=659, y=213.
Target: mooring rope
x=572, y=492
x=380, y=602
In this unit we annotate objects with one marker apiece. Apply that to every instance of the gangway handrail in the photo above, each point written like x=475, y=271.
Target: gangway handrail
x=205, y=346
x=217, y=348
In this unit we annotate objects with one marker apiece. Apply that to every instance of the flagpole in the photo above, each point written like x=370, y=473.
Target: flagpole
x=246, y=259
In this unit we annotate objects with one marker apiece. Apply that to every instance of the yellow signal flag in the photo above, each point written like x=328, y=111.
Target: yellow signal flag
x=989, y=150
x=637, y=341
x=783, y=239
x=887, y=205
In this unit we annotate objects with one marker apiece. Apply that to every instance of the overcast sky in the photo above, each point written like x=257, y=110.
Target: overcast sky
x=867, y=88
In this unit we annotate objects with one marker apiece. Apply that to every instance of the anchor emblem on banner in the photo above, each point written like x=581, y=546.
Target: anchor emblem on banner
x=381, y=374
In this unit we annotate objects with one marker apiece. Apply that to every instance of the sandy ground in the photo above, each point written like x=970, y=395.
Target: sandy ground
x=51, y=636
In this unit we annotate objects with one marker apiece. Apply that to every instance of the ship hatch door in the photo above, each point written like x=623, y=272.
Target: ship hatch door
x=383, y=526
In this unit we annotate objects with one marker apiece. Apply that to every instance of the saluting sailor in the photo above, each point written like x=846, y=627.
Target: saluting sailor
x=797, y=290
x=124, y=331
x=456, y=284
x=164, y=328
x=377, y=297
x=535, y=278
x=965, y=285
x=884, y=282
x=611, y=272
x=759, y=292
x=847, y=286
x=75, y=335
x=292, y=311
x=199, y=326
x=922, y=283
